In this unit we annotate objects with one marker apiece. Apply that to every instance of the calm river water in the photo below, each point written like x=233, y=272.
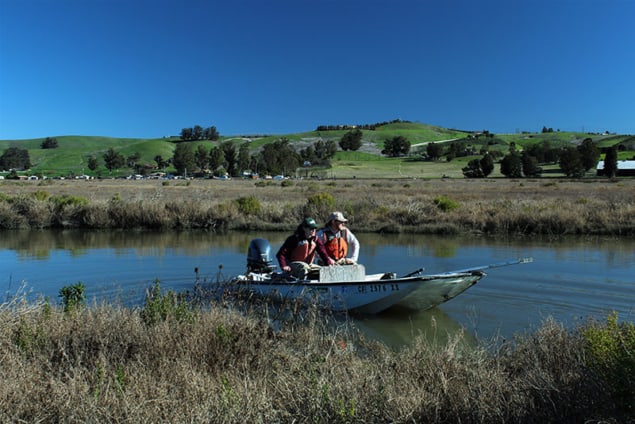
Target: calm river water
x=570, y=279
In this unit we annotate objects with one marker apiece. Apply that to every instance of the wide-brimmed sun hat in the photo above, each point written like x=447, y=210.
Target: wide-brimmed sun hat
x=337, y=216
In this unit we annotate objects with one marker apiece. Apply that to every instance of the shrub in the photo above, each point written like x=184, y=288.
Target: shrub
x=73, y=297
x=248, y=205
x=321, y=200
x=319, y=205
x=611, y=352
x=30, y=337
x=68, y=200
x=445, y=203
x=41, y=195
x=159, y=307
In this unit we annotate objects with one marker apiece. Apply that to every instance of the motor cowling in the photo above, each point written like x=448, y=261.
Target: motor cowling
x=259, y=256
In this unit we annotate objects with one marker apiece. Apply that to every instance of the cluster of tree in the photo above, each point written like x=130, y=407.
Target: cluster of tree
x=515, y=165
x=15, y=158
x=199, y=133
x=575, y=161
x=360, y=126
x=547, y=130
x=115, y=160
x=484, y=133
x=434, y=151
x=459, y=149
x=319, y=153
x=275, y=158
x=479, y=168
x=49, y=143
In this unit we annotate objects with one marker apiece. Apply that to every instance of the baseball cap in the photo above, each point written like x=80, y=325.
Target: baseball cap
x=309, y=223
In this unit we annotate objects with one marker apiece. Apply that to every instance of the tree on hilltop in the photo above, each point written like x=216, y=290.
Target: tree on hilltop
x=211, y=133
x=49, y=143
x=186, y=134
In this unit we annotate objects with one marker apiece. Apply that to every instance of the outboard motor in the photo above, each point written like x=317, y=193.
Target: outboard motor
x=258, y=256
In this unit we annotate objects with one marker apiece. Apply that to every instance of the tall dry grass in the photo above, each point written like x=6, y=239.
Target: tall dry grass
x=498, y=207
x=107, y=363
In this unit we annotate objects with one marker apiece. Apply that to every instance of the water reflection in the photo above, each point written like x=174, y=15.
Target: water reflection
x=570, y=279
x=398, y=327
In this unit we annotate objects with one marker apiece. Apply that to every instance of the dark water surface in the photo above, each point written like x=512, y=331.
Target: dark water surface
x=570, y=279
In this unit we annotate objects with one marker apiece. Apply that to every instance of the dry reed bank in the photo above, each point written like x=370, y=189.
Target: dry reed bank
x=491, y=206
x=112, y=364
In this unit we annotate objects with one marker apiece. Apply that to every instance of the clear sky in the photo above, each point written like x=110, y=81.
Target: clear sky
x=142, y=68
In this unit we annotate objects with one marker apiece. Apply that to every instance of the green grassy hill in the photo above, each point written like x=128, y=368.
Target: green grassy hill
x=73, y=152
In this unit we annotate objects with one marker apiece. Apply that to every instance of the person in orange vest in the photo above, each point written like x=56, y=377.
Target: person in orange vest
x=297, y=253
x=340, y=243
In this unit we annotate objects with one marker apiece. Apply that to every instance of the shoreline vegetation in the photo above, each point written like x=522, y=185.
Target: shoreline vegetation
x=182, y=358
x=179, y=360
x=498, y=207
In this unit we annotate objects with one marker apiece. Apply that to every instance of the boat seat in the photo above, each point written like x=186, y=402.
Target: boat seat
x=342, y=273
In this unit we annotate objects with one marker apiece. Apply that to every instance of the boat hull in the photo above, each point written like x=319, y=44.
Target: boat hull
x=369, y=296
x=436, y=291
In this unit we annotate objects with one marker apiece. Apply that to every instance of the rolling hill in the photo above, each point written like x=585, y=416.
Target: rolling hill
x=73, y=152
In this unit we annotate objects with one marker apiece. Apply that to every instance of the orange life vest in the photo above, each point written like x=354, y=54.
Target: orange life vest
x=335, y=244
x=304, y=251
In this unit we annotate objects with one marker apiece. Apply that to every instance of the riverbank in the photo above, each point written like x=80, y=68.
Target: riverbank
x=170, y=362
x=441, y=206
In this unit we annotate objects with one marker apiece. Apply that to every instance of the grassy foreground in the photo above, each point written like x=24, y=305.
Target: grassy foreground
x=441, y=206
x=170, y=362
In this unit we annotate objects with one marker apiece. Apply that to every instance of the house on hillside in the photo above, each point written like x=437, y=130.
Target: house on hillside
x=625, y=168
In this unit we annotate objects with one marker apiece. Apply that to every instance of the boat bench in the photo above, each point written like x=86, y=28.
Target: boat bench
x=342, y=273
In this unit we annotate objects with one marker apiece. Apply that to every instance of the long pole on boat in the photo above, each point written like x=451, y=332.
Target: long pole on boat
x=496, y=265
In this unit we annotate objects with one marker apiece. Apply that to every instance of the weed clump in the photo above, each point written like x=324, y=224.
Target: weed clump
x=610, y=347
x=73, y=297
x=445, y=203
x=160, y=306
x=68, y=200
x=249, y=205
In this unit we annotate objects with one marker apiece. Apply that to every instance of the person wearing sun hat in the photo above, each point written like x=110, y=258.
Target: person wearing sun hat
x=340, y=243
x=298, y=251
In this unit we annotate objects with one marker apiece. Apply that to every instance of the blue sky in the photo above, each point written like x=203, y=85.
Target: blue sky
x=141, y=68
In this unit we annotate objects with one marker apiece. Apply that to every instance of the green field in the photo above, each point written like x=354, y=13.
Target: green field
x=73, y=152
